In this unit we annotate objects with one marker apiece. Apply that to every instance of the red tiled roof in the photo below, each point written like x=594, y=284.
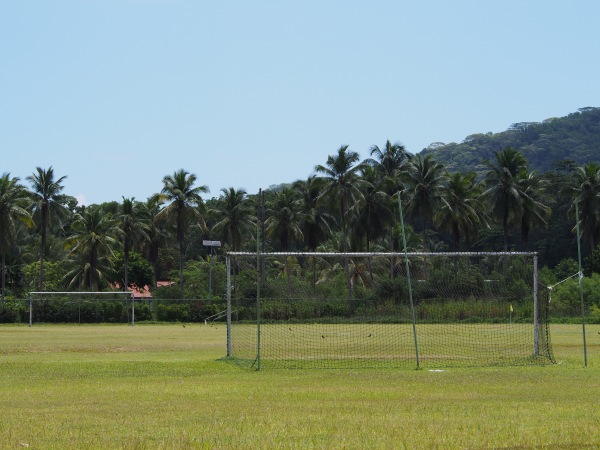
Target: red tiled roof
x=143, y=292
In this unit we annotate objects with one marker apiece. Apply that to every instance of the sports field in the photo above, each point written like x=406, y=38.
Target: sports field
x=164, y=386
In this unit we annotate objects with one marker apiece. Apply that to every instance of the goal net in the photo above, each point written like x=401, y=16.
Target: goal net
x=81, y=307
x=425, y=310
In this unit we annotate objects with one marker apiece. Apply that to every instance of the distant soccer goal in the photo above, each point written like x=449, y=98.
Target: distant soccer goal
x=81, y=307
x=423, y=310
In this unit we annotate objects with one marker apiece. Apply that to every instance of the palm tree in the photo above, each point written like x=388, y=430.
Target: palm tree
x=156, y=235
x=585, y=190
x=316, y=222
x=283, y=218
x=389, y=162
x=184, y=207
x=13, y=200
x=342, y=187
x=462, y=214
x=535, y=213
x=134, y=224
x=374, y=212
x=283, y=222
x=90, y=246
x=504, y=191
x=46, y=205
x=426, y=186
x=233, y=212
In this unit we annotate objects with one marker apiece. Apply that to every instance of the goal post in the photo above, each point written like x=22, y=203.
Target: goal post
x=75, y=300
x=353, y=309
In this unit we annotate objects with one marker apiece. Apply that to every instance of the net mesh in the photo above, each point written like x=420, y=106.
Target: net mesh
x=354, y=310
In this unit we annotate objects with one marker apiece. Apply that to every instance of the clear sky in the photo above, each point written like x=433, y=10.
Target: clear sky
x=116, y=94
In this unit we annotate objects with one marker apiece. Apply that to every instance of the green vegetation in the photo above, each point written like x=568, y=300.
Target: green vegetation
x=574, y=138
x=490, y=193
x=164, y=386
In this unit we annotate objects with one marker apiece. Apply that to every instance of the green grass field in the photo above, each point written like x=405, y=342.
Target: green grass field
x=163, y=386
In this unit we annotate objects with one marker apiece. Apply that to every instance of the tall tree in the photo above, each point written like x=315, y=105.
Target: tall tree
x=535, y=213
x=462, y=214
x=342, y=188
x=14, y=199
x=425, y=182
x=185, y=201
x=504, y=191
x=46, y=192
x=133, y=222
x=316, y=222
x=233, y=213
x=585, y=191
x=156, y=236
x=374, y=212
x=93, y=239
x=283, y=222
x=283, y=218
x=389, y=162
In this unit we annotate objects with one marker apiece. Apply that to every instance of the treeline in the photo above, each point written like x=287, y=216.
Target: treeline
x=575, y=138
x=50, y=243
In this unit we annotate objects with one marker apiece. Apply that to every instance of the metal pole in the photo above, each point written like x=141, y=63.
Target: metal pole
x=30, y=310
x=412, y=305
x=228, y=268
x=132, y=308
x=258, y=282
x=581, y=285
x=210, y=274
x=536, y=323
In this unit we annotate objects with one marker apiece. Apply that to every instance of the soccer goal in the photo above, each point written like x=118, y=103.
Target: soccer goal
x=81, y=307
x=423, y=310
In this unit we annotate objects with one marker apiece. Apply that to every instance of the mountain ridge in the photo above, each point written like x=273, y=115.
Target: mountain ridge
x=574, y=138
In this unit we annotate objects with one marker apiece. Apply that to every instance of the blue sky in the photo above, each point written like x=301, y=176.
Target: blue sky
x=116, y=94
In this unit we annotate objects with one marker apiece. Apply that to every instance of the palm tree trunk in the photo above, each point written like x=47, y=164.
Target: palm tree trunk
x=126, y=264
x=181, y=265
x=345, y=237
x=43, y=244
x=3, y=274
x=505, y=232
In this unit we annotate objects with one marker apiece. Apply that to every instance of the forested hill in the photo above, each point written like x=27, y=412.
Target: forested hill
x=575, y=137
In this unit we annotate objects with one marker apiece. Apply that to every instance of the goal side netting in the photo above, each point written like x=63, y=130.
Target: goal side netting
x=354, y=310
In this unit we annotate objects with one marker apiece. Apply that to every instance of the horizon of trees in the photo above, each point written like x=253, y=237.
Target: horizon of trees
x=49, y=242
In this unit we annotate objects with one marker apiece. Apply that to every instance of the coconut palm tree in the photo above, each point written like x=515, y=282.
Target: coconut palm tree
x=14, y=199
x=504, y=191
x=535, y=213
x=283, y=222
x=585, y=191
x=156, y=235
x=93, y=239
x=184, y=207
x=283, y=218
x=425, y=182
x=46, y=192
x=462, y=214
x=316, y=222
x=342, y=188
x=373, y=213
x=233, y=213
x=389, y=162
x=133, y=223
